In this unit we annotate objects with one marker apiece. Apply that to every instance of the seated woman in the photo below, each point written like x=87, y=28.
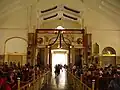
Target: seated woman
x=4, y=81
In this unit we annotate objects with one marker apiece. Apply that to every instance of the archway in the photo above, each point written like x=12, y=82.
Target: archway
x=15, y=50
x=108, y=56
x=60, y=39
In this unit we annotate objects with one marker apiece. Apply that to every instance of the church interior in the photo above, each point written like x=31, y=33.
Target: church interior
x=80, y=38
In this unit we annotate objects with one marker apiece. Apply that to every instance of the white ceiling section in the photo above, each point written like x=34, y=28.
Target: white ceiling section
x=60, y=12
x=111, y=7
x=98, y=14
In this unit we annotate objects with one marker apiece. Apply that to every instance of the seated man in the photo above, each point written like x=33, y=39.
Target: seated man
x=115, y=83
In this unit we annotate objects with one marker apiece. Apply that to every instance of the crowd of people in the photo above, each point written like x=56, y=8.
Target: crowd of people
x=10, y=73
x=59, y=67
x=107, y=78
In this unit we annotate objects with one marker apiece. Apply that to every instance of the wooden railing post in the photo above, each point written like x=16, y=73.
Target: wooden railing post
x=47, y=77
x=77, y=84
x=93, y=84
x=34, y=76
x=81, y=77
x=18, y=79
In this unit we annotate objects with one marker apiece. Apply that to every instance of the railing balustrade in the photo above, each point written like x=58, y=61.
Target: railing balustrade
x=77, y=84
x=36, y=84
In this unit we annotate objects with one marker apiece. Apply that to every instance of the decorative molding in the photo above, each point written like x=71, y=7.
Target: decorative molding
x=15, y=37
x=13, y=28
x=15, y=53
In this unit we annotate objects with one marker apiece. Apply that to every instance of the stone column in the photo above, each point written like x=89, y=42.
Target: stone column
x=32, y=18
x=71, y=52
x=31, y=25
x=73, y=55
x=46, y=55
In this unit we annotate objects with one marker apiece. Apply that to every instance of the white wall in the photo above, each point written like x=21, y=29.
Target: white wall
x=15, y=24
x=6, y=34
x=15, y=19
x=97, y=21
x=107, y=39
x=104, y=30
x=16, y=45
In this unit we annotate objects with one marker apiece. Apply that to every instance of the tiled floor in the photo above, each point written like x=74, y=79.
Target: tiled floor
x=58, y=83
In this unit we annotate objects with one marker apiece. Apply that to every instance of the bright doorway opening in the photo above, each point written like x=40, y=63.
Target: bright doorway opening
x=59, y=56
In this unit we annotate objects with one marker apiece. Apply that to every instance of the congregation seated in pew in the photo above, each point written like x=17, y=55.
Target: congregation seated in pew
x=102, y=76
x=26, y=73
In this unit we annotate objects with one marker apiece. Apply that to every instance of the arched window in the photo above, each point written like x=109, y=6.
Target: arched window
x=109, y=51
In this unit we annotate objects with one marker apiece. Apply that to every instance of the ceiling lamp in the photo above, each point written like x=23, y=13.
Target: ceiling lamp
x=59, y=27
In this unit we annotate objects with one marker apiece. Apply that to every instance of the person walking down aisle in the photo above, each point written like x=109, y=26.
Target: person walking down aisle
x=57, y=69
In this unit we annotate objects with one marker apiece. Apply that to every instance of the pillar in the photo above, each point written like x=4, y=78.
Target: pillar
x=93, y=84
x=32, y=24
x=71, y=58
x=73, y=55
x=18, y=79
x=46, y=56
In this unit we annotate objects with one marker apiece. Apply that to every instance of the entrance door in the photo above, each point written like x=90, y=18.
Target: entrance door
x=59, y=57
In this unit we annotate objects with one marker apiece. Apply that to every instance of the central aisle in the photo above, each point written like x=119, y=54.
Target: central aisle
x=58, y=83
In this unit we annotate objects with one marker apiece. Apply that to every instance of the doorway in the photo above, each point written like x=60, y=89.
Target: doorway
x=59, y=56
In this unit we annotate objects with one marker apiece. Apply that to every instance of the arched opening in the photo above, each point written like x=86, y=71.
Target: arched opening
x=108, y=56
x=60, y=38
x=15, y=50
x=109, y=51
